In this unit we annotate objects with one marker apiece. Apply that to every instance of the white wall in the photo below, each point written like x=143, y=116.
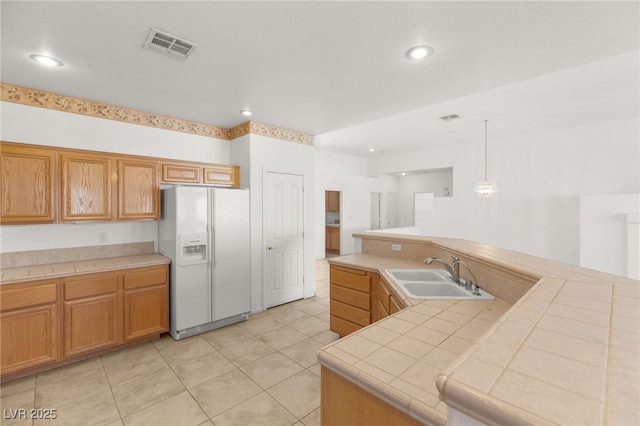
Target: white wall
x=347, y=174
x=541, y=177
x=607, y=241
x=273, y=155
x=39, y=126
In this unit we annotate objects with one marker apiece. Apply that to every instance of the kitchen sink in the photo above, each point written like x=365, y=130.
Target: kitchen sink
x=432, y=284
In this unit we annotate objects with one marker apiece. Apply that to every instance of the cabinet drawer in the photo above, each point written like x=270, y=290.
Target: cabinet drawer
x=350, y=297
x=351, y=313
x=145, y=277
x=356, y=280
x=342, y=326
x=181, y=173
x=90, y=285
x=384, y=295
x=13, y=296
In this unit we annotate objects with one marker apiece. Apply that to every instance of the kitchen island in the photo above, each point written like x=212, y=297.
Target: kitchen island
x=559, y=346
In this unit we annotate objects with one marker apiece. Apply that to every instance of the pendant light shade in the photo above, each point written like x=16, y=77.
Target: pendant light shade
x=485, y=188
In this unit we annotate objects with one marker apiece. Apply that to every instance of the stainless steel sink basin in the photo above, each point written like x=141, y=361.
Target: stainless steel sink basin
x=432, y=284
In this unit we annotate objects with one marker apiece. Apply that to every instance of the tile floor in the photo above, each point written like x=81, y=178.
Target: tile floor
x=260, y=372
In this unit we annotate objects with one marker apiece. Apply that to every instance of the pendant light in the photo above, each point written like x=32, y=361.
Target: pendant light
x=485, y=188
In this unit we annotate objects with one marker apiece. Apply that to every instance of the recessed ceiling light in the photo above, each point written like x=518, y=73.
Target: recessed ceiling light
x=371, y=150
x=47, y=61
x=419, y=52
x=246, y=112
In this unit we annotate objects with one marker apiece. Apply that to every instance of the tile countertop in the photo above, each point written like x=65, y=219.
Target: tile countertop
x=567, y=352
x=56, y=270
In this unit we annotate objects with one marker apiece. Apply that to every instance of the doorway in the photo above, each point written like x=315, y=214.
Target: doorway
x=332, y=201
x=283, y=207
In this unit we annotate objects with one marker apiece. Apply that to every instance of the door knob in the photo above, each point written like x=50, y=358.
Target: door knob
x=270, y=247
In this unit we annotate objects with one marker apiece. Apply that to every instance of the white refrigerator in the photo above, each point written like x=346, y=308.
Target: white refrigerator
x=206, y=233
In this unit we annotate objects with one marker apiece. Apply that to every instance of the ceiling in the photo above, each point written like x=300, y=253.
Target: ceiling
x=325, y=68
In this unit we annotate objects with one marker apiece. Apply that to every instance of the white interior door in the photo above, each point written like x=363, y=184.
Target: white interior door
x=283, y=236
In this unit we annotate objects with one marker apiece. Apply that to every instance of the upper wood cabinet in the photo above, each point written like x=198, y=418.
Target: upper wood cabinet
x=29, y=183
x=332, y=201
x=181, y=173
x=138, y=190
x=42, y=185
x=222, y=175
x=86, y=186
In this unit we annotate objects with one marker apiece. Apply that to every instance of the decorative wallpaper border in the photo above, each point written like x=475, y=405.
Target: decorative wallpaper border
x=48, y=100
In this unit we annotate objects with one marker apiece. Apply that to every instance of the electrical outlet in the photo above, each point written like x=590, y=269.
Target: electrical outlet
x=396, y=247
x=102, y=237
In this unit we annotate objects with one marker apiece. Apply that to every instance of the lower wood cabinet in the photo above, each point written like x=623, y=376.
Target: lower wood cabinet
x=92, y=312
x=146, y=296
x=48, y=323
x=29, y=313
x=346, y=404
x=350, y=299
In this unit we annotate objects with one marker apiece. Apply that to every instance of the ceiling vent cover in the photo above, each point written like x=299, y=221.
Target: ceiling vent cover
x=449, y=117
x=170, y=45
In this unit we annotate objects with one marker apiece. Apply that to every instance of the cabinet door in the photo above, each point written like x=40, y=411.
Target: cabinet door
x=146, y=302
x=86, y=186
x=187, y=173
x=29, y=185
x=138, y=190
x=222, y=175
x=92, y=313
x=332, y=201
x=29, y=338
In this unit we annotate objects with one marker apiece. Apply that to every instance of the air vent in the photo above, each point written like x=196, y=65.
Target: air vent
x=450, y=117
x=170, y=45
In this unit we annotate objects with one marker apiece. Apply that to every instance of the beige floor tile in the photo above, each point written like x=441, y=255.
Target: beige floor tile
x=299, y=394
x=245, y=352
x=18, y=386
x=281, y=337
x=99, y=409
x=288, y=315
x=68, y=371
x=326, y=337
x=271, y=369
x=198, y=370
x=13, y=404
x=313, y=308
x=312, y=419
x=72, y=389
x=144, y=392
x=164, y=341
x=226, y=336
x=189, y=348
x=304, y=353
x=133, y=363
x=315, y=369
x=220, y=394
x=259, y=410
x=179, y=410
x=310, y=326
x=260, y=323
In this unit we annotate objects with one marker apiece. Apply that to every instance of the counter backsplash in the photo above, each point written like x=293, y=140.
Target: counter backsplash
x=73, y=254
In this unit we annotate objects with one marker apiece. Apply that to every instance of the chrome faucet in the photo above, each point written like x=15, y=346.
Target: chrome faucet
x=470, y=285
x=451, y=269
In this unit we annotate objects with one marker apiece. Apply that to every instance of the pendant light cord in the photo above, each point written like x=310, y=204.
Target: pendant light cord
x=485, y=150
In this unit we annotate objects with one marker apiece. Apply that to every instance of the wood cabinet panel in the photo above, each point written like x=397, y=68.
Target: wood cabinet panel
x=145, y=277
x=343, y=403
x=90, y=285
x=14, y=296
x=28, y=181
x=222, y=175
x=146, y=311
x=350, y=278
x=332, y=201
x=186, y=173
x=351, y=313
x=351, y=297
x=138, y=190
x=91, y=323
x=86, y=183
x=342, y=326
x=29, y=338
x=332, y=239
